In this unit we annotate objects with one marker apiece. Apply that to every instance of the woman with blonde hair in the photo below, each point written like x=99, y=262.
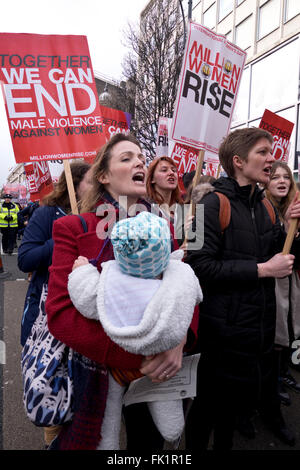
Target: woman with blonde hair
x=282, y=187
x=281, y=191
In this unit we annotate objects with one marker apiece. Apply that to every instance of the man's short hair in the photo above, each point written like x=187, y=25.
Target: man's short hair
x=240, y=142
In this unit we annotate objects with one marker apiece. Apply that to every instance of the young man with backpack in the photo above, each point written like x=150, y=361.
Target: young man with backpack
x=236, y=267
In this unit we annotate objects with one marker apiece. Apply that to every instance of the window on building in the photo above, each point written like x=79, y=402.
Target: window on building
x=289, y=114
x=240, y=113
x=292, y=8
x=240, y=126
x=197, y=4
x=254, y=123
x=270, y=77
x=229, y=36
x=197, y=14
x=244, y=33
x=268, y=18
x=225, y=7
x=209, y=17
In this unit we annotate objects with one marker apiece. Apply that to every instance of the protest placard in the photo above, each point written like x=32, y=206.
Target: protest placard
x=281, y=130
x=112, y=121
x=56, y=167
x=184, y=156
x=31, y=182
x=162, y=142
x=208, y=86
x=50, y=96
x=38, y=179
x=17, y=190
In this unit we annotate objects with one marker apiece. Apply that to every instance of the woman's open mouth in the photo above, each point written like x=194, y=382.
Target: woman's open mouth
x=139, y=177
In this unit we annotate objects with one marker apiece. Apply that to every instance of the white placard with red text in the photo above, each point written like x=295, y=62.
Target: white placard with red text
x=207, y=91
x=162, y=143
x=56, y=168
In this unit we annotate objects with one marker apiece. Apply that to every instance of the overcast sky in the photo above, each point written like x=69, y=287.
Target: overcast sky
x=102, y=21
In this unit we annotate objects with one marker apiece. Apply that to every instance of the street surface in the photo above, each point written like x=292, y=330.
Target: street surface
x=16, y=431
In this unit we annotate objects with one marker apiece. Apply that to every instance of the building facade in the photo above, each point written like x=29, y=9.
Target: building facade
x=107, y=88
x=269, y=31
x=17, y=174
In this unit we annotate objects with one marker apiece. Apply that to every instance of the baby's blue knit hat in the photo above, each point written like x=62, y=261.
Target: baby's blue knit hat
x=142, y=245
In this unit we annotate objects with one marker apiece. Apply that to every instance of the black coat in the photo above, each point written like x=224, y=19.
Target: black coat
x=237, y=316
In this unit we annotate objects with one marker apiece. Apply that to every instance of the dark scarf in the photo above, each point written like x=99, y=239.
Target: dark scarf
x=90, y=386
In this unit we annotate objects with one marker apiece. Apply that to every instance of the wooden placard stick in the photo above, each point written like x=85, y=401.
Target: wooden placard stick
x=219, y=170
x=291, y=233
x=195, y=181
x=70, y=185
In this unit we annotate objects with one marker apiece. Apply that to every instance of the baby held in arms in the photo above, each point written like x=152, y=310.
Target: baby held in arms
x=145, y=301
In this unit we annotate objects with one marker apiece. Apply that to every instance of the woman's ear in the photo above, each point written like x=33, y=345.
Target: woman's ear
x=237, y=162
x=103, y=178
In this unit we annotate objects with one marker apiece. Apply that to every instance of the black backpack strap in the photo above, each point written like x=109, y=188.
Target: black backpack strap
x=84, y=224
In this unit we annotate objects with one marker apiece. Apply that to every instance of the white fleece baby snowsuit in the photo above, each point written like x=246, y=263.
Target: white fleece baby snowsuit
x=143, y=316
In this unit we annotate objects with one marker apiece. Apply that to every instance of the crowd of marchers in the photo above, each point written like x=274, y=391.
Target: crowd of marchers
x=124, y=290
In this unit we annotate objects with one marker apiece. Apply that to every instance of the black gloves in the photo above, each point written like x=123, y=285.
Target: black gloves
x=8, y=218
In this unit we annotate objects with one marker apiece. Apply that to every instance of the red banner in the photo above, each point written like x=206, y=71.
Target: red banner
x=281, y=130
x=211, y=169
x=113, y=121
x=38, y=179
x=185, y=158
x=50, y=96
x=18, y=191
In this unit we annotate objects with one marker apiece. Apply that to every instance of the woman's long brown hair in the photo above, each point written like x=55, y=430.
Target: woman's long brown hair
x=151, y=191
x=100, y=168
x=60, y=195
x=285, y=201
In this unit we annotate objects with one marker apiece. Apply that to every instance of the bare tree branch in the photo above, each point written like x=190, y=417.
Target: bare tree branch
x=152, y=67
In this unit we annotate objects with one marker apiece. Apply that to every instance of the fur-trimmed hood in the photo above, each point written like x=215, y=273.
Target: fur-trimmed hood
x=201, y=190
